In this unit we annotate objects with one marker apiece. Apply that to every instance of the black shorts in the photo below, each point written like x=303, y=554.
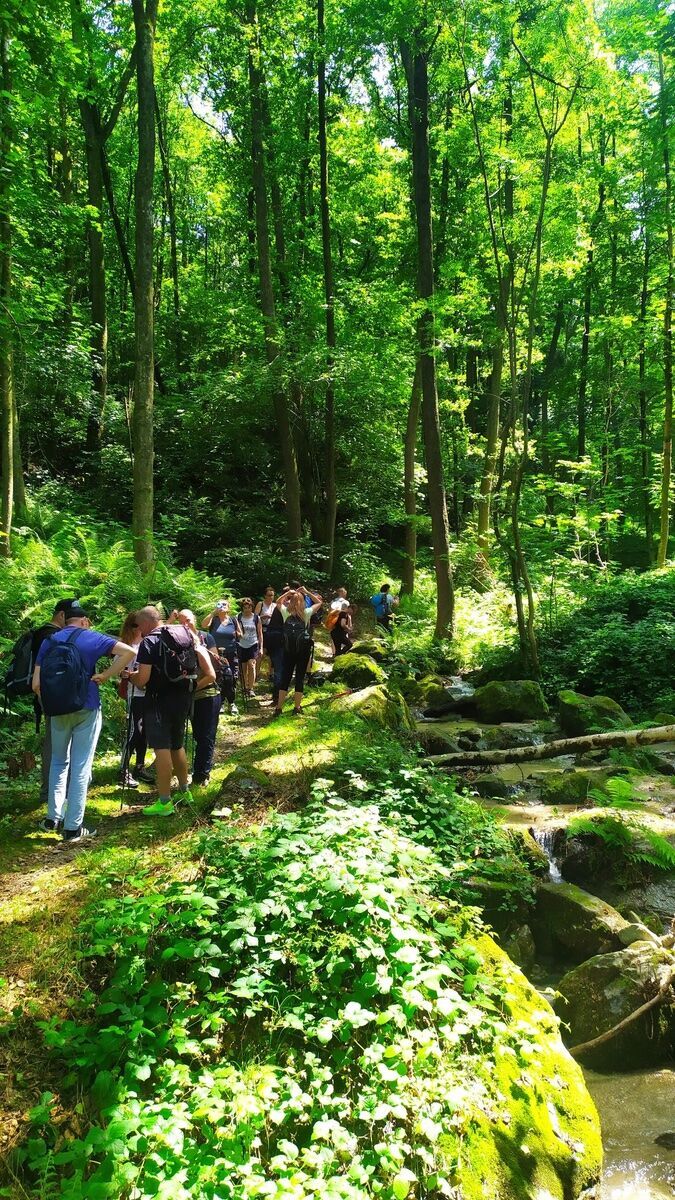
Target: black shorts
x=246, y=653
x=166, y=715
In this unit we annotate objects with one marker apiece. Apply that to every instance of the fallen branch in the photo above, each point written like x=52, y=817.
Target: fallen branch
x=583, y=1047
x=577, y=745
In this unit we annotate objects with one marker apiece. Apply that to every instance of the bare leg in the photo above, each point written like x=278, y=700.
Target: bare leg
x=164, y=771
x=297, y=700
x=281, y=700
x=180, y=766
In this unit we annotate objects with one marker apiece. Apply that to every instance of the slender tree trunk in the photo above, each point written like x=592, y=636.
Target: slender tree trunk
x=173, y=234
x=145, y=16
x=267, y=301
x=20, y=501
x=409, y=494
x=667, y=464
x=494, y=389
x=582, y=401
x=416, y=69
x=6, y=330
x=645, y=448
x=329, y=297
x=97, y=275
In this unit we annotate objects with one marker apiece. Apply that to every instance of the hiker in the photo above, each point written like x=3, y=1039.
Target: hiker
x=135, y=740
x=273, y=641
x=207, y=703
x=19, y=680
x=67, y=683
x=250, y=641
x=224, y=628
x=384, y=603
x=170, y=661
x=341, y=631
x=298, y=645
x=340, y=601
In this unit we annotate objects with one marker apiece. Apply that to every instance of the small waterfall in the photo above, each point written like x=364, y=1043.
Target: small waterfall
x=545, y=838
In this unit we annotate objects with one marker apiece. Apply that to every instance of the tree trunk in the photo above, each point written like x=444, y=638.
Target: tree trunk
x=645, y=448
x=329, y=298
x=494, y=389
x=409, y=495
x=416, y=69
x=20, y=502
x=97, y=276
x=145, y=16
x=667, y=464
x=6, y=329
x=577, y=745
x=267, y=301
x=173, y=234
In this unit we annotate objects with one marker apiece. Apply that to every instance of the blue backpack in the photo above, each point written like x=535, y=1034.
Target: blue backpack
x=64, y=677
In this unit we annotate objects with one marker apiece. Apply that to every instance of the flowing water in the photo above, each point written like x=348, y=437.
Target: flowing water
x=545, y=838
x=635, y=1109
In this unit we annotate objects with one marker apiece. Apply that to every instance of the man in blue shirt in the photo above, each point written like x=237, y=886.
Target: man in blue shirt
x=75, y=734
x=383, y=603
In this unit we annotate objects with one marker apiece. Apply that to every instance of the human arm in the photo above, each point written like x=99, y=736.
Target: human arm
x=207, y=620
x=314, y=596
x=315, y=607
x=259, y=630
x=35, y=682
x=207, y=670
x=123, y=655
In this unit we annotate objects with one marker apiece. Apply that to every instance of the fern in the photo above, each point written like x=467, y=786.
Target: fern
x=662, y=853
x=618, y=793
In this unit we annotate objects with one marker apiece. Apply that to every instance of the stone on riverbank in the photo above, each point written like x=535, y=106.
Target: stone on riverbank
x=357, y=671
x=570, y=921
x=380, y=705
x=579, y=714
x=374, y=647
x=510, y=700
x=608, y=988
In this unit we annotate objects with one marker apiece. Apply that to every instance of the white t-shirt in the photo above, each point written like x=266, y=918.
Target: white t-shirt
x=250, y=629
x=339, y=604
x=306, y=615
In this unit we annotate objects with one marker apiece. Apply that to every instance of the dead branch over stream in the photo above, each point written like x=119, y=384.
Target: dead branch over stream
x=578, y=745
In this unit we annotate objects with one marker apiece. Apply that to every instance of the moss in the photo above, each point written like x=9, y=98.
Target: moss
x=379, y=706
x=357, y=671
x=537, y=1131
x=572, y=787
x=374, y=647
x=510, y=700
x=572, y=921
x=580, y=715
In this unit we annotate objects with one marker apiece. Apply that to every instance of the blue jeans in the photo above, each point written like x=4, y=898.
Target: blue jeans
x=205, y=715
x=74, y=738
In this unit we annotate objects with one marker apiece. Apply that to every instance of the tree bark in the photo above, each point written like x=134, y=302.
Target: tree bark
x=667, y=464
x=416, y=69
x=645, y=447
x=273, y=348
x=409, y=495
x=6, y=329
x=20, y=502
x=576, y=745
x=329, y=296
x=173, y=234
x=145, y=16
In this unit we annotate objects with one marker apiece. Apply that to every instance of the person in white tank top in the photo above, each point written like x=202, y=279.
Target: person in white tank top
x=250, y=641
x=264, y=609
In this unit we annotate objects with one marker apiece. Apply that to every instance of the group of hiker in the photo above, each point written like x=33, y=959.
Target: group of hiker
x=170, y=671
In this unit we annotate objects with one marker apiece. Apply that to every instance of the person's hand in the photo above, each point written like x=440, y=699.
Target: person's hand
x=100, y=677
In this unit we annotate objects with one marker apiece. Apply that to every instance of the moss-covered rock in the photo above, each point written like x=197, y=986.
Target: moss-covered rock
x=663, y=718
x=510, y=700
x=502, y=903
x=536, y=1133
x=246, y=781
x=573, y=787
x=574, y=923
x=589, y=714
x=531, y=852
x=606, y=989
x=379, y=705
x=520, y=947
x=357, y=671
x=374, y=647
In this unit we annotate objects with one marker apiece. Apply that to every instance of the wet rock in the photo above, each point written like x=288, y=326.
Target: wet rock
x=608, y=988
x=380, y=705
x=637, y=932
x=520, y=947
x=575, y=786
x=509, y=735
x=531, y=852
x=438, y=743
x=589, y=714
x=357, y=671
x=504, y=907
x=667, y=1140
x=510, y=700
x=584, y=860
x=491, y=787
x=570, y=921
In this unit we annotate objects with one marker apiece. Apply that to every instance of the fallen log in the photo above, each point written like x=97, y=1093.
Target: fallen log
x=577, y=745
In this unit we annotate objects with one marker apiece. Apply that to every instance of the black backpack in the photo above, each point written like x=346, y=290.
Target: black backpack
x=178, y=664
x=64, y=676
x=19, y=675
x=296, y=635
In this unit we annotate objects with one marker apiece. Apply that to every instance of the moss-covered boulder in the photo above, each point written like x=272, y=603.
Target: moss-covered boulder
x=510, y=700
x=357, y=671
x=573, y=787
x=535, y=1134
x=502, y=903
x=663, y=718
x=374, y=647
x=379, y=705
x=520, y=947
x=603, y=991
x=579, y=714
x=531, y=852
x=570, y=921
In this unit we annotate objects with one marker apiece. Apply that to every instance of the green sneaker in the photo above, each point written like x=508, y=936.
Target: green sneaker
x=185, y=795
x=161, y=808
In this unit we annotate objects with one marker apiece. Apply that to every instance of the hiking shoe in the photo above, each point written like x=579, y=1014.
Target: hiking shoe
x=277, y=713
x=77, y=835
x=200, y=782
x=297, y=712
x=128, y=781
x=184, y=794
x=161, y=808
x=234, y=711
x=49, y=826
x=145, y=775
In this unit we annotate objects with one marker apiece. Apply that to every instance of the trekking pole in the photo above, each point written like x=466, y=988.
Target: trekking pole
x=244, y=698
x=126, y=750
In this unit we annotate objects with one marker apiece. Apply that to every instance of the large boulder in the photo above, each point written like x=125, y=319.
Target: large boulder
x=378, y=705
x=357, y=670
x=570, y=921
x=604, y=991
x=510, y=700
x=574, y=786
x=374, y=647
x=429, y=692
x=589, y=714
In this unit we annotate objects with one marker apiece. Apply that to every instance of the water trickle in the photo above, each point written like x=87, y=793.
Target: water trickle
x=545, y=838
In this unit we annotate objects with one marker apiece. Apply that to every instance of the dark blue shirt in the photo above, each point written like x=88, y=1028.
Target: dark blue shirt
x=91, y=646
